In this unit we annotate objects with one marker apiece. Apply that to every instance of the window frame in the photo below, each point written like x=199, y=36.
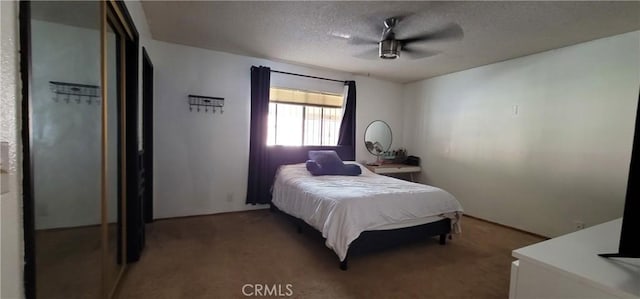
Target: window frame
x=303, y=118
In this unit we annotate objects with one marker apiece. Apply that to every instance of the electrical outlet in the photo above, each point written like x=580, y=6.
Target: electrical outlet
x=229, y=197
x=578, y=224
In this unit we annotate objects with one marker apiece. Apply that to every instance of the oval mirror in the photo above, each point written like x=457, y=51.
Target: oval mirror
x=377, y=137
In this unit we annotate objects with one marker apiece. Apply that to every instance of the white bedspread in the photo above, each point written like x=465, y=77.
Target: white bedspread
x=342, y=207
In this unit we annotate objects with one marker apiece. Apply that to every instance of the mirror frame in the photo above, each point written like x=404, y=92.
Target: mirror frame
x=112, y=15
x=364, y=137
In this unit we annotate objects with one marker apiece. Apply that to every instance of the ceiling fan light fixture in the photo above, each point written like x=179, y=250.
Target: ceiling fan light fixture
x=389, y=49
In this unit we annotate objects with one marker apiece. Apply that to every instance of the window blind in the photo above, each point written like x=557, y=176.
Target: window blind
x=292, y=96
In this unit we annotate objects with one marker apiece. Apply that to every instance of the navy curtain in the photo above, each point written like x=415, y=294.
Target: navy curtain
x=348, y=125
x=258, y=183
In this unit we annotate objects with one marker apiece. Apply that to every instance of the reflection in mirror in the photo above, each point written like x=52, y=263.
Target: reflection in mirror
x=378, y=138
x=65, y=147
x=112, y=266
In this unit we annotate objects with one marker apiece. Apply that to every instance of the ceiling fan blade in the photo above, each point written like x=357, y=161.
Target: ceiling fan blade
x=369, y=54
x=412, y=53
x=373, y=27
x=450, y=32
x=355, y=40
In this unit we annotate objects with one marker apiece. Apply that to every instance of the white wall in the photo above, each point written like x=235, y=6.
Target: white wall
x=563, y=157
x=201, y=160
x=378, y=100
x=11, y=244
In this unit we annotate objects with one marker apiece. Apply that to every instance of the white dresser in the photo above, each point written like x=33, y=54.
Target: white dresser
x=387, y=169
x=569, y=267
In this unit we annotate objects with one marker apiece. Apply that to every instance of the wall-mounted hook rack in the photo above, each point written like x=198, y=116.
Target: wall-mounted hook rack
x=76, y=92
x=196, y=101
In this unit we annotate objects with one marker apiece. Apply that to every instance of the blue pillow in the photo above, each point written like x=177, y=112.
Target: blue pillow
x=351, y=169
x=328, y=160
x=313, y=167
x=347, y=169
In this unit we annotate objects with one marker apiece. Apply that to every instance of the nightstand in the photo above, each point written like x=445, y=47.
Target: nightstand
x=395, y=169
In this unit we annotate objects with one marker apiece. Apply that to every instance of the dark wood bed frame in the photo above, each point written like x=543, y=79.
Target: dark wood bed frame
x=376, y=240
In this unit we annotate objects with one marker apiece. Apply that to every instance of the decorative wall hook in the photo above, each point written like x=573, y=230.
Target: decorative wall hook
x=77, y=92
x=206, y=102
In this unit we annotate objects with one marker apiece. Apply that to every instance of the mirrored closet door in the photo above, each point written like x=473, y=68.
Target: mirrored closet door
x=79, y=56
x=66, y=147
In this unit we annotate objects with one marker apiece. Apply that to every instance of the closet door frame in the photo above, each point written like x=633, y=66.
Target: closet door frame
x=114, y=14
x=28, y=205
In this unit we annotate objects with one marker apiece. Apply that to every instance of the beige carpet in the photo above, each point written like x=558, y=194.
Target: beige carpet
x=214, y=256
x=68, y=263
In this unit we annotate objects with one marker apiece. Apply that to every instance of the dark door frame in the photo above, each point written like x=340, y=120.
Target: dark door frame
x=28, y=208
x=147, y=134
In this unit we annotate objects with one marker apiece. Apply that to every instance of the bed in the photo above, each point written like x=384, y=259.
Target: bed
x=354, y=213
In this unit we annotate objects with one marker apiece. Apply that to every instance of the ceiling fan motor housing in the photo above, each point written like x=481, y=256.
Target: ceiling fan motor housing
x=389, y=49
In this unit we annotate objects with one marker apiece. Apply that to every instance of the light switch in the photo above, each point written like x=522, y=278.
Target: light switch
x=4, y=167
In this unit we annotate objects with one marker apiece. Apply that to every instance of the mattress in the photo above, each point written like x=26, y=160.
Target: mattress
x=342, y=207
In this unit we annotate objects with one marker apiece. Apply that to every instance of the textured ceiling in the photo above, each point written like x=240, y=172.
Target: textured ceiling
x=307, y=32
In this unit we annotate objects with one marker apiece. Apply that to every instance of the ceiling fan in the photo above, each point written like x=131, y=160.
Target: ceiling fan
x=389, y=47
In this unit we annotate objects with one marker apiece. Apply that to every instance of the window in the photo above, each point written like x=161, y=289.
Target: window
x=303, y=117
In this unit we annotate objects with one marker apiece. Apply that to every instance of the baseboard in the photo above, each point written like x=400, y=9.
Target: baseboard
x=65, y=228
x=266, y=207
x=506, y=226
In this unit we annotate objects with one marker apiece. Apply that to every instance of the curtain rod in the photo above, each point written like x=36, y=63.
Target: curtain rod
x=307, y=76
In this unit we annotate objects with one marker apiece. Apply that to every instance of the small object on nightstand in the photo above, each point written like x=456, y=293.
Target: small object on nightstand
x=413, y=160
